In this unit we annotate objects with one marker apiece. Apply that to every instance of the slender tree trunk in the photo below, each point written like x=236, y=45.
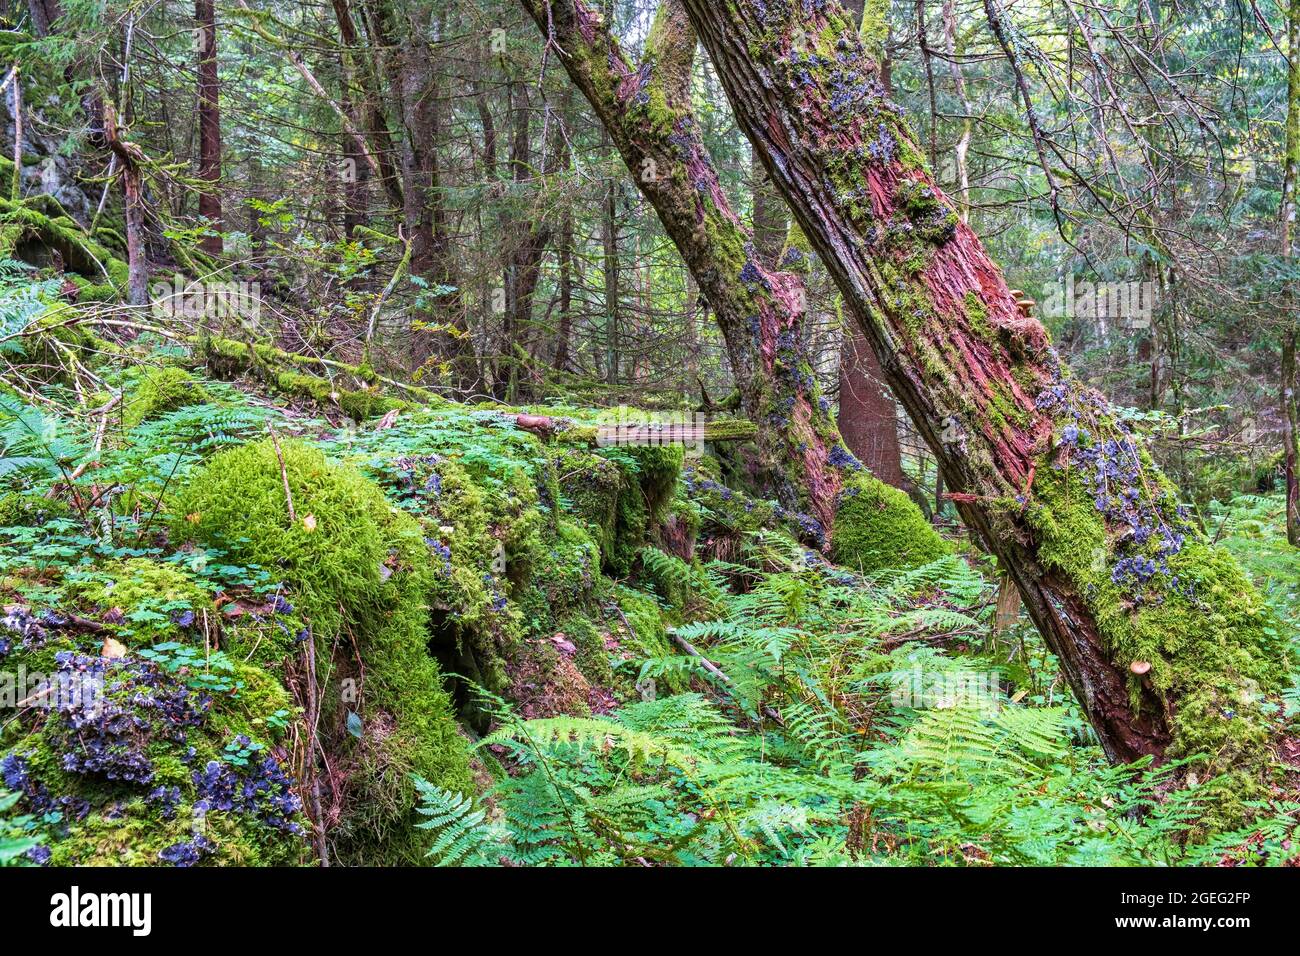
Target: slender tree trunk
x=439, y=335
x=355, y=173
x=1135, y=603
x=564, y=331
x=610, y=265
x=1290, y=437
x=962, y=146
x=525, y=239
x=130, y=158
x=372, y=121
x=205, y=18
x=867, y=417
x=1290, y=185
x=771, y=221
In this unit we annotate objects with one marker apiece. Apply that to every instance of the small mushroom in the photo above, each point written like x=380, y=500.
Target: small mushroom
x=1140, y=667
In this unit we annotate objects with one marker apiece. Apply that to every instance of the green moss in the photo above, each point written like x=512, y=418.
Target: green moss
x=360, y=572
x=283, y=371
x=37, y=229
x=591, y=657
x=159, y=391
x=1216, y=653
x=877, y=526
x=53, y=340
x=90, y=291
x=649, y=479
x=978, y=316
x=135, y=835
x=149, y=596
x=27, y=510
x=590, y=487
x=649, y=630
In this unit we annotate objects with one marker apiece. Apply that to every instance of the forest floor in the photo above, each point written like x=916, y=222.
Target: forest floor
x=270, y=631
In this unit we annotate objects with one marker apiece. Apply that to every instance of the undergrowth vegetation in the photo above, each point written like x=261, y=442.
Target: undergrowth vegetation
x=442, y=638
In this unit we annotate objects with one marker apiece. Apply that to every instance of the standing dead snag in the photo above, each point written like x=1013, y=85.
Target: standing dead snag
x=130, y=158
x=1108, y=564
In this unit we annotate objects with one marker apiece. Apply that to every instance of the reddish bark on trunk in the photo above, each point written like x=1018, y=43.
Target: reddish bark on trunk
x=867, y=417
x=989, y=395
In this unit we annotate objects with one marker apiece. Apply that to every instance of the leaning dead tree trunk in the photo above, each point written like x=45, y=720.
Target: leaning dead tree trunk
x=1167, y=646
x=647, y=111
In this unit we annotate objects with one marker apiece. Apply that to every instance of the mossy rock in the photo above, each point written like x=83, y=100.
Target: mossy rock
x=878, y=526
x=139, y=766
x=360, y=572
x=37, y=230
x=150, y=597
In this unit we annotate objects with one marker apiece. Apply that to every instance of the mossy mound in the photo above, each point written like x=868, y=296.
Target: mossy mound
x=159, y=391
x=523, y=531
x=650, y=477
x=621, y=494
x=26, y=510
x=878, y=526
x=360, y=572
x=590, y=486
x=147, y=597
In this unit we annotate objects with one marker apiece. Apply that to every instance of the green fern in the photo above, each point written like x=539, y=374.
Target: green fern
x=462, y=835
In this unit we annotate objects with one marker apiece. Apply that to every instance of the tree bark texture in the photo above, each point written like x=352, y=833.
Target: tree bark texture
x=1165, y=643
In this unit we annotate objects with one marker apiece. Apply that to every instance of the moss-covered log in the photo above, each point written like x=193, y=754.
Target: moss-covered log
x=1165, y=643
x=304, y=376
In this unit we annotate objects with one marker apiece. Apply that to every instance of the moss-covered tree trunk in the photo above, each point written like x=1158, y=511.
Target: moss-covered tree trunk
x=1290, y=185
x=1165, y=643
x=646, y=109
